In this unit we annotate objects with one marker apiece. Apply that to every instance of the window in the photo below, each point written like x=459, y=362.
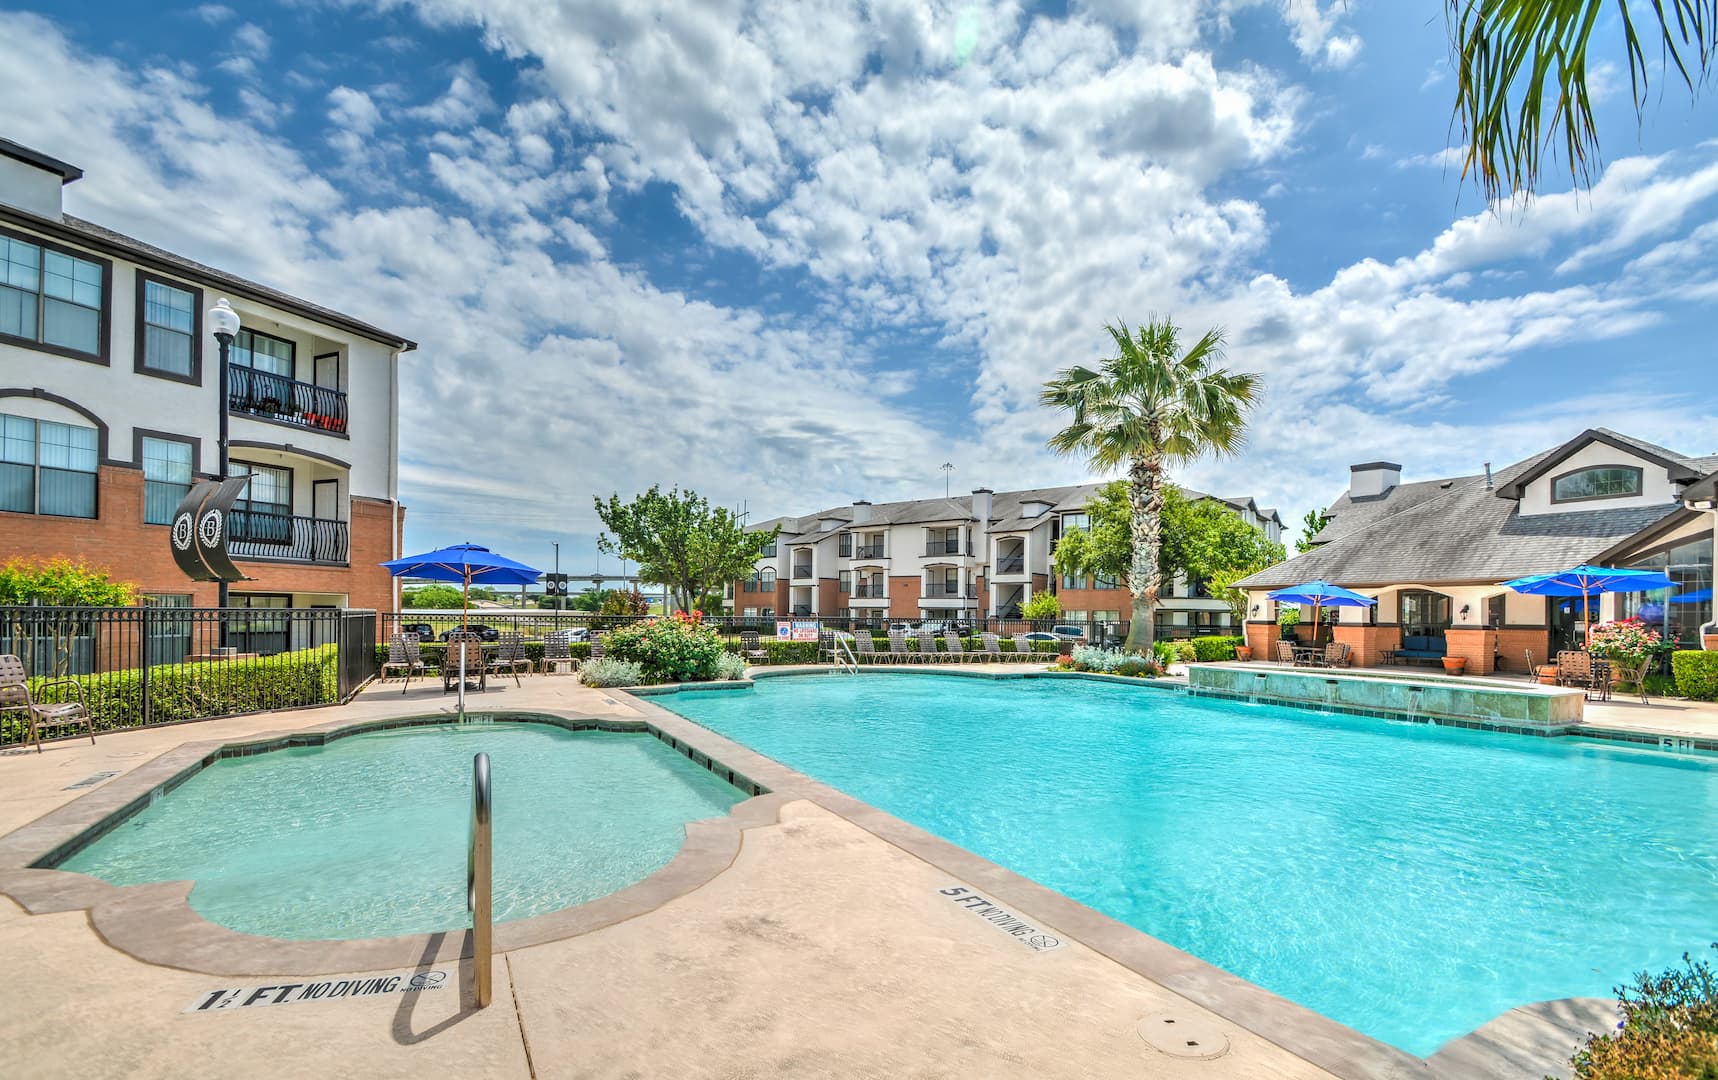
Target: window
x=1106, y=616
x=264, y=514
x=1073, y=581
x=766, y=613
x=766, y=579
x=47, y=468
x=1603, y=482
x=750, y=613
x=1101, y=582
x=846, y=577
x=1073, y=617
x=51, y=298
x=169, y=329
x=1075, y=523
x=264, y=352
x=844, y=546
x=769, y=549
x=167, y=476
x=1494, y=611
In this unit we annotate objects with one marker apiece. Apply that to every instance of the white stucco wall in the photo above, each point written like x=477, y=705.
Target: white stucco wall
x=30, y=188
x=1656, y=489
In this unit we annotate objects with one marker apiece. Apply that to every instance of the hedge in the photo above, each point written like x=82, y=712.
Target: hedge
x=1209, y=649
x=197, y=691
x=1696, y=674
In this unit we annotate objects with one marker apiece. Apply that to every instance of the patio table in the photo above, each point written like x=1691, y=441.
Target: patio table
x=1307, y=654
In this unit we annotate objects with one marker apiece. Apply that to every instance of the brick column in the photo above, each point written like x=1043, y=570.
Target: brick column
x=1478, y=645
x=1366, y=644
x=1262, y=638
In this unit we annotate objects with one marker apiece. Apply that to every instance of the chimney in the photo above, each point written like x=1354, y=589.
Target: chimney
x=31, y=180
x=861, y=512
x=1488, y=476
x=1373, y=479
x=981, y=507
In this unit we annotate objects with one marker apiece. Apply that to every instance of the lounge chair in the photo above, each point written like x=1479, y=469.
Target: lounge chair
x=472, y=646
x=1335, y=655
x=754, y=653
x=957, y=654
x=404, y=655
x=864, y=649
x=510, y=657
x=15, y=696
x=1022, y=646
x=898, y=648
x=928, y=648
x=992, y=647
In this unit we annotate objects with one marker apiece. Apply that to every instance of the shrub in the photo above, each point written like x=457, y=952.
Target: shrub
x=1209, y=649
x=1696, y=674
x=1089, y=658
x=678, y=649
x=1136, y=666
x=730, y=666
x=791, y=652
x=198, y=691
x=611, y=672
x=1041, y=605
x=1669, y=1029
x=1185, y=652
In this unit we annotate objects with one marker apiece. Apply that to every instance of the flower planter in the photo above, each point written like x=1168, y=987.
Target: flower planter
x=1243, y=652
x=1455, y=665
x=1710, y=642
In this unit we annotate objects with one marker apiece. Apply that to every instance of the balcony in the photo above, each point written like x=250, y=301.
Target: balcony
x=254, y=534
x=276, y=397
x=1011, y=564
x=873, y=551
x=871, y=592
x=947, y=547
x=938, y=589
x=802, y=572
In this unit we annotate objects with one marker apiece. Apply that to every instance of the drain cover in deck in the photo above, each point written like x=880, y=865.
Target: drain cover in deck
x=1184, y=1036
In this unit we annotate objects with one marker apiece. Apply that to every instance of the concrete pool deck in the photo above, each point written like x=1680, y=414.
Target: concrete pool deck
x=825, y=947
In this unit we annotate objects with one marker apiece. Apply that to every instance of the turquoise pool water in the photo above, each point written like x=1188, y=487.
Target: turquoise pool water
x=1409, y=881
x=366, y=837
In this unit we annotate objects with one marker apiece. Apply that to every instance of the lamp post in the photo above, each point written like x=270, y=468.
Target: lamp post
x=557, y=575
x=224, y=323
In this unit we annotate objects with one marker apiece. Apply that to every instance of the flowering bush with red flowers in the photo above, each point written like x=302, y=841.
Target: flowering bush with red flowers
x=1628, y=641
x=676, y=649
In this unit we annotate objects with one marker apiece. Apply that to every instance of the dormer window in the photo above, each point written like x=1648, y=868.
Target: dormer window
x=1601, y=482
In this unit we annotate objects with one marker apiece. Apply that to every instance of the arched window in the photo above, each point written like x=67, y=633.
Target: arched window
x=766, y=579
x=1600, y=482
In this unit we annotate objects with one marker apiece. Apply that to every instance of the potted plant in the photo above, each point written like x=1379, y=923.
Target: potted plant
x=1630, y=645
x=1243, y=652
x=1455, y=665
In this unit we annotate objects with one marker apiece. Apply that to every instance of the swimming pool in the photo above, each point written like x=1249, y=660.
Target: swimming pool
x=1412, y=882
x=366, y=835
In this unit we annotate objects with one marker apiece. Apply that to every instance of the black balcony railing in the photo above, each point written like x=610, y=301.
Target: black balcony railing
x=947, y=547
x=263, y=393
x=871, y=592
x=803, y=571
x=253, y=534
x=950, y=588
x=872, y=551
x=1011, y=564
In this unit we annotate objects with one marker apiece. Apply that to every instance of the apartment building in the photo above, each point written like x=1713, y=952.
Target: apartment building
x=973, y=556
x=110, y=405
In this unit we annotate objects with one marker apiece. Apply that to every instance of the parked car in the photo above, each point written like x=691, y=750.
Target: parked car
x=485, y=633
x=423, y=630
x=1039, y=635
x=570, y=636
x=1069, y=633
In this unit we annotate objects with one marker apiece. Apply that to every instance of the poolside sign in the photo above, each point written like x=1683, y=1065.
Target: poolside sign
x=796, y=629
x=1035, y=938
x=323, y=989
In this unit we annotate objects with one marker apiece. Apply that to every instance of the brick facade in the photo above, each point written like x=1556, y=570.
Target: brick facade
x=1366, y=644
x=1262, y=638
x=904, y=596
x=1479, y=646
x=119, y=542
x=1514, y=643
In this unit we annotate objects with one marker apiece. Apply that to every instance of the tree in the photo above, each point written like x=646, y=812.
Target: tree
x=679, y=540
x=1149, y=406
x=589, y=600
x=624, y=602
x=58, y=583
x=1310, y=526
x=433, y=596
x=1523, y=63
x=1041, y=605
x=1203, y=540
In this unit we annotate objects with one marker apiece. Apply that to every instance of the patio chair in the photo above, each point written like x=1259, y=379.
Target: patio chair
x=510, y=657
x=598, y=650
x=898, y=653
x=1285, y=653
x=1575, y=668
x=864, y=649
x=957, y=653
x=992, y=647
x=472, y=646
x=928, y=648
x=755, y=653
x=1335, y=655
x=557, y=656
x=1633, y=674
x=404, y=655
x=15, y=696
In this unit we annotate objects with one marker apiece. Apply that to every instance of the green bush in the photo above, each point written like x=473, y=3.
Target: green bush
x=1669, y=1029
x=1696, y=674
x=1136, y=666
x=611, y=673
x=1186, y=652
x=198, y=691
x=1209, y=649
x=790, y=652
x=677, y=649
x=730, y=666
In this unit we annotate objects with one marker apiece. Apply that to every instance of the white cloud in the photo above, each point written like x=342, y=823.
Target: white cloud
x=252, y=40
x=214, y=14
x=1449, y=158
x=352, y=110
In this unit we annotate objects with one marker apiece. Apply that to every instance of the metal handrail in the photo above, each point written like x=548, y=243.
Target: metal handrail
x=479, y=883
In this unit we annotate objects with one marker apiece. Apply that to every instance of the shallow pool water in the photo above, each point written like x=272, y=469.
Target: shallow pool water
x=1412, y=882
x=367, y=836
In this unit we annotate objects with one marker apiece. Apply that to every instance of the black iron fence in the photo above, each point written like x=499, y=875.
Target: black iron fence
x=138, y=666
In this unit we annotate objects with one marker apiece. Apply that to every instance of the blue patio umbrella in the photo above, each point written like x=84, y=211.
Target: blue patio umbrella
x=1692, y=597
x=1321, y=594
x=1589, y=581
x=467, y=564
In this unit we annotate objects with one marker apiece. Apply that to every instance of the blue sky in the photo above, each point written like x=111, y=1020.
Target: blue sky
x=792, y=258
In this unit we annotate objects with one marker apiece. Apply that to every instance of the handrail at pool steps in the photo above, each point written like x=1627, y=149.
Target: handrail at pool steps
x=478, y=883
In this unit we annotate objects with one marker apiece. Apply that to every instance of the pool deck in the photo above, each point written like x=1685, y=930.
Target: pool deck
x=823, y=944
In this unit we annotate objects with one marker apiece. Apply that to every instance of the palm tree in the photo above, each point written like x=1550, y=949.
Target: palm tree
x=1519, y=61
x=1149, y=406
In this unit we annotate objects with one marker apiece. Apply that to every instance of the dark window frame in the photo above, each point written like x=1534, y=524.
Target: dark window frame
x=104, y=317
x=1639, y=483
x=255, y=333
x=36, y=467
x=244, y=504
x=137, y=436
x=140, y=329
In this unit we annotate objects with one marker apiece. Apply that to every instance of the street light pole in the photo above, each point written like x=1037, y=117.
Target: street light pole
x=224, y=322
x=557, y=575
